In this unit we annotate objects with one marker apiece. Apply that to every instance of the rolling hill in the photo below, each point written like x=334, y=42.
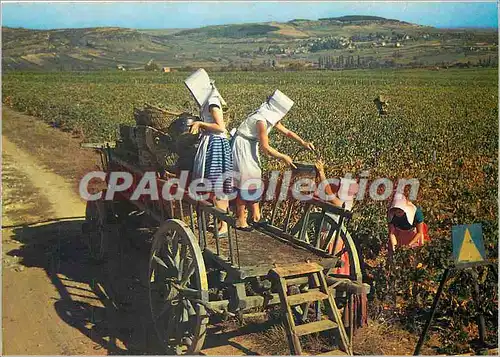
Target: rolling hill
x=375, y=39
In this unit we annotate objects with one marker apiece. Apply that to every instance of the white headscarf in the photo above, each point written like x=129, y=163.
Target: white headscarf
x=401, y=202
x=202, y=88
x=275, y=108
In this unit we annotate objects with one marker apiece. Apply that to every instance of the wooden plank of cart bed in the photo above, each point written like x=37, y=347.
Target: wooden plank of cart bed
x=286, y=238
x=233, y=272
x=239, y=273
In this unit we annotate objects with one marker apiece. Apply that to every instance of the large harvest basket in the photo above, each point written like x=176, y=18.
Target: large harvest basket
x=155, y=117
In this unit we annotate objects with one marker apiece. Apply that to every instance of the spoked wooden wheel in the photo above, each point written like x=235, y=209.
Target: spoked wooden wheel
x=345, y=248
x=99, y=227
x=177, y=284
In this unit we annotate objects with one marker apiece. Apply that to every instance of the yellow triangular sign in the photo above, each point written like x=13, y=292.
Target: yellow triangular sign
x=468, y=251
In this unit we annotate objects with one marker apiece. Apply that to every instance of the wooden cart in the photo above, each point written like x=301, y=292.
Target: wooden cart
x=194, y=273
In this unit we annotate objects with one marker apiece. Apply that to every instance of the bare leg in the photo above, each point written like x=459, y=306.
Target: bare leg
x=392, y=243
x=223, y=205
x=255, y=209
x=241, y=220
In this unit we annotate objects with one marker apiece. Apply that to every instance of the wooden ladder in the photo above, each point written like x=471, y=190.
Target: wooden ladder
x=284, y=275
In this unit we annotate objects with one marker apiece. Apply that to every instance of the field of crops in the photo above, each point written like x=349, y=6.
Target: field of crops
x=442, y=129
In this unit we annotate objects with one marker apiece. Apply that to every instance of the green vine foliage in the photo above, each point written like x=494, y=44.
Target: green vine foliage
x=441, y=129
x=404, y=290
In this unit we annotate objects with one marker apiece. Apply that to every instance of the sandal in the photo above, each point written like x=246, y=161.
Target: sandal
x=245, y=229
x=261, y=222
x=222, y=234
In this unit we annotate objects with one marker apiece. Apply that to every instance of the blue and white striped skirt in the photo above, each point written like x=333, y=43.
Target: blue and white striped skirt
x=213, y=159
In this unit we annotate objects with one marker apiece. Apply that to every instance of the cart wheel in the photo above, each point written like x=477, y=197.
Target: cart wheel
x=177, y=280
x=99, y=229
x=347, y=245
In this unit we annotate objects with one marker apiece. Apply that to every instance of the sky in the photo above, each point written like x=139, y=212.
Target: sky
x=153, y=15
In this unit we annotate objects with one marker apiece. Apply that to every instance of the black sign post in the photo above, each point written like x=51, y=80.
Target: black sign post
x=468, y=253
x=445, y=277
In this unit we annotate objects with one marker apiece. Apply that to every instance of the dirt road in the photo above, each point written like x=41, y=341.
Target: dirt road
x=38, y=299
x=56, y=300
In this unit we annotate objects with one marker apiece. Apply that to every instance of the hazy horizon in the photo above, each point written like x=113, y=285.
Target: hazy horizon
x=178, y=15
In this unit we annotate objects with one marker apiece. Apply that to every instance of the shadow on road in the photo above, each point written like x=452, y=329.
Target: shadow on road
x=105, y=301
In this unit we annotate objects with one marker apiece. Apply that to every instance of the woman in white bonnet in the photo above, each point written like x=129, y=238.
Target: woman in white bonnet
x=406, y=224
x=213, y=158
x=252, y=134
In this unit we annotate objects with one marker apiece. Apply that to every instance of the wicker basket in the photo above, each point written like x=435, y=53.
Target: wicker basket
x=162, y=138
x=155, y=117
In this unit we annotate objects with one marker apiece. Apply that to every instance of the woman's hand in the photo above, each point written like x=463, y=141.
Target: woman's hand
x=195, y=127
x=290, y=134
x=320, y=166
x=288, y=160
x=309, y=145
x=418, y=239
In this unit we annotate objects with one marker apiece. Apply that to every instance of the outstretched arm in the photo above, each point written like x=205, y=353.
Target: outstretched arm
x=320, y=166
x=218, y=127
x=266, y=148
x=419, y=236
x=288, y=133
x=392, y=239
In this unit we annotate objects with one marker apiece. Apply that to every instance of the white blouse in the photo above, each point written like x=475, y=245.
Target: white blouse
x=248, y=128
x=207, y=117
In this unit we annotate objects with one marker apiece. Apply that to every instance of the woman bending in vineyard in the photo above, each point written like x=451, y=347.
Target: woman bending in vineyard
x=213, y=158
x=406, y=224
x=331, y=192
x=252, y=133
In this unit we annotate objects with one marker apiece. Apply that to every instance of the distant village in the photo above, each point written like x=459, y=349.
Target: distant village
x=331, y=42
x=150, y=66
x=282, y=55
x=371, y=40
